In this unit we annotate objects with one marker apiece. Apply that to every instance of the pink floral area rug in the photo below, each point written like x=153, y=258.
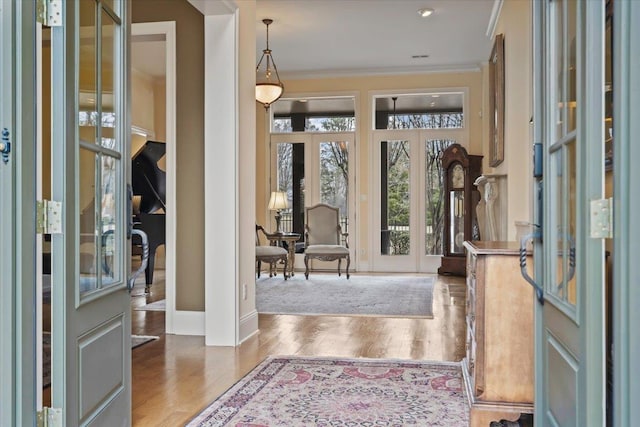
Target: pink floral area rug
x=302, y=391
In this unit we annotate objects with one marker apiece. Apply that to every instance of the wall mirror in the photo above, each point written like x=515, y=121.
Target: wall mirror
x=496, y=102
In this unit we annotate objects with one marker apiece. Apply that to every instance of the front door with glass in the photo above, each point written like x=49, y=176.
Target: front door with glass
x=569, y=40
x=91, y=359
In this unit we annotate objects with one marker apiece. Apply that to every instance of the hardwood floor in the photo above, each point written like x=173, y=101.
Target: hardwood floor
x=175, y=377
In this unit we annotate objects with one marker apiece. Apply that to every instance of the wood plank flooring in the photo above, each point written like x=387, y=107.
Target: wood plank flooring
x=175, y=377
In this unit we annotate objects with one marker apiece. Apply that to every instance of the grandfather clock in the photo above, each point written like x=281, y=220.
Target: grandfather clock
x=460, y=170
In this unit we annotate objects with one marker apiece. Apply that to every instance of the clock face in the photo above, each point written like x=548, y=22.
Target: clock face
x=457, y=179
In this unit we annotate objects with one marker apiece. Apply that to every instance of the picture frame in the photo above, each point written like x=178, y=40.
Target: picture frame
x=496, y=102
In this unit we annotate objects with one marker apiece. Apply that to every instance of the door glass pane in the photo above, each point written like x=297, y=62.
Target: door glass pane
x=456, y=221
x=555, y=285
x=395, y=197
x=87, y=212
x=434, y=200
x=107, y=70
x=570, y=244
x=110, y=267
x=557, y=27
x=334, y=178
x=563, y=220
x=87, y=71
x=571, y=64
x=290, y=179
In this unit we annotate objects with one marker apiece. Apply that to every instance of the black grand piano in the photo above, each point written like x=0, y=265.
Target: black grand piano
x=149, y=183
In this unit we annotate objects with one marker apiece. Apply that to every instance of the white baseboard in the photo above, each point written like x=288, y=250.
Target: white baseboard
x=188, y=323
x=248, y=326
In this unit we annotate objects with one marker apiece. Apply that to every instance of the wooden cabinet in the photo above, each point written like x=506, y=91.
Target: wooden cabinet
x=499, y=364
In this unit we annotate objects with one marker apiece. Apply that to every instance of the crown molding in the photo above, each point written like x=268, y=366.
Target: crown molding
x=388, y=71
x=218, y=7
x=493, y=19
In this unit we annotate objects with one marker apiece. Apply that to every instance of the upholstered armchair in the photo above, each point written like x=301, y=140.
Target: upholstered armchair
x=323, y=237
x=270, y=254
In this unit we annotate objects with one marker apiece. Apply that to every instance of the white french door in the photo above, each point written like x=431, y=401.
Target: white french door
x=315, y=168
x=91, y=325
x=406, y=190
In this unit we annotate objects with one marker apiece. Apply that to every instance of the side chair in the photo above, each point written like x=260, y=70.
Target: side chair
x=323, y=236
x=270, y=254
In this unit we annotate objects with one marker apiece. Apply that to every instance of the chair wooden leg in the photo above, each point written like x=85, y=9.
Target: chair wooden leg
x=284, y=272
x=306, y=267
x=339, y=262
x=348, y=262
x=259, y=267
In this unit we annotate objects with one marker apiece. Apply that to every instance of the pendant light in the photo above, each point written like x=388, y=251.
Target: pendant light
x=267, y=89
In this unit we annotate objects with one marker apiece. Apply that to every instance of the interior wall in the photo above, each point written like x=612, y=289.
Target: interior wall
x=515, y=22
x=189, y=143
x=247, y=154
x=160, y=108
x=363, y=85
x=142, y=101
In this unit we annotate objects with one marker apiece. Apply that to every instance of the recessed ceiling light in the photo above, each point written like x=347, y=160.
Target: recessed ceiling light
x=302, y=100
x=435, y=96
x=425, y=12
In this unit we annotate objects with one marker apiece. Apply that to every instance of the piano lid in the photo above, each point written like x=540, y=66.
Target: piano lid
x=147, y=179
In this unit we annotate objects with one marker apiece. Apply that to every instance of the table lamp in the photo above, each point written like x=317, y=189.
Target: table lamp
x=277, y=202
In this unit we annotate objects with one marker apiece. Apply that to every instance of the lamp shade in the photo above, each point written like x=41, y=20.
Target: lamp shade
x=278, y=201
x=267, y=93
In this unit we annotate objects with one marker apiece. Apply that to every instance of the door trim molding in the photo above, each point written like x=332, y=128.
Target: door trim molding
x=626, y=297
x=168, y=30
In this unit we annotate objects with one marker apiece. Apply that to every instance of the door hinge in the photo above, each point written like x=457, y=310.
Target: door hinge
x=50, y=13
x=48, y=217
x=49, y=417
x=602, y=218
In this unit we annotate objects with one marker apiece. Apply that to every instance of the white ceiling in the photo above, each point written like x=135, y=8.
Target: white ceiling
x=349, y=37
x=323, y=38
x=148, y=56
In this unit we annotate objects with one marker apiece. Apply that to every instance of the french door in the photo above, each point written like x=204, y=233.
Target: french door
x=406, y=186
x=314, y=168
x=91, y=317
x=570, y=125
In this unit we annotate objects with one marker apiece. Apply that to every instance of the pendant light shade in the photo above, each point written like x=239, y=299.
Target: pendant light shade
x=268, y=88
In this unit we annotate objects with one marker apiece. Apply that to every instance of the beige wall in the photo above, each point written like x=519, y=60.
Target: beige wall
x=515, y=23
x=189, y=140
x=363, y=85
x=142, y=101
x=247, y=154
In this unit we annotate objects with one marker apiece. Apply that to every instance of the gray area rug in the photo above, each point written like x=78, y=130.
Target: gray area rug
x=388, y=296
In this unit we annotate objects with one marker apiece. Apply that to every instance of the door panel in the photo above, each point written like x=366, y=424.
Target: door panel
x=563, y=384
x=91, y=350
x=570, y=324
x=101, y=350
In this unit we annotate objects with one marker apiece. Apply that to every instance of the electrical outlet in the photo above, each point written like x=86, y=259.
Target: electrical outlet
x=244, y=291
